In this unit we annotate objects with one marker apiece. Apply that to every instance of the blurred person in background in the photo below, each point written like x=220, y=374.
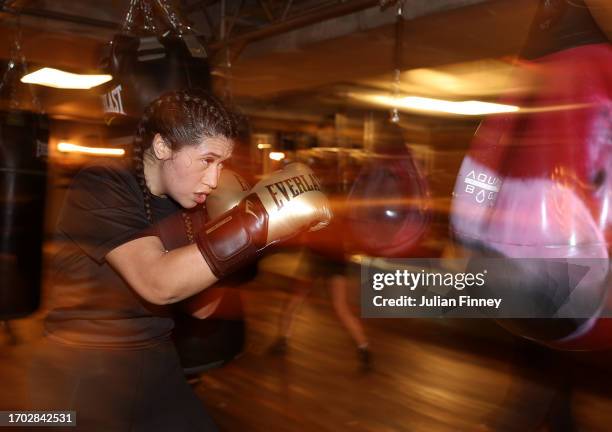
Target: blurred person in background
x=323, y=260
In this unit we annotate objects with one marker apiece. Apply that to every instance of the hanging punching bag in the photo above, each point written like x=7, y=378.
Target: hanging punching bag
x=387, y=204
x=154, y=53
x=24, y=135
x=145, y=67
x=23, y=181
x=535, y=187
x=207, y=343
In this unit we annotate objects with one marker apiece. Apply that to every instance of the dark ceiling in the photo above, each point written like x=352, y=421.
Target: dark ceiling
x=293, y=56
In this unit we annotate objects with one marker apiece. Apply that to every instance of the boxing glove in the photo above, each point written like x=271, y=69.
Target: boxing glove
x=280, y=206
x=231, y=189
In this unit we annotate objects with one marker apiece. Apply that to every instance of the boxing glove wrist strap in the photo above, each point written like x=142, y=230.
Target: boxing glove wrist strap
x=235, y=238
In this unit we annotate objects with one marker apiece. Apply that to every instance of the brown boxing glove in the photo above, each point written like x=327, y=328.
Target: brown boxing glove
x=279, y=207
x=234, y=239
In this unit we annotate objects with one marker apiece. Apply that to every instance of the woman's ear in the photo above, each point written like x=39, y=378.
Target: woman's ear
x=161, y=149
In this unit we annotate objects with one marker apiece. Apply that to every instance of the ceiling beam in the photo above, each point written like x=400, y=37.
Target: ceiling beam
x=297, y=22
x=294, y=62
x=53, y=49
x=59, y=16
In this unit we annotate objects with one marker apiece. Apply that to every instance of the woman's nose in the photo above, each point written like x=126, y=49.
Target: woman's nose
x=211, y=178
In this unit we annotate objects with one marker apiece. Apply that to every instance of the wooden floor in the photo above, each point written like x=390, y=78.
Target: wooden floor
x=427, y=376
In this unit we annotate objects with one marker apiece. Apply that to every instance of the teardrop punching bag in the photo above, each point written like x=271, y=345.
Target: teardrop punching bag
x=538, y=184
x=387, y=205
x=23, y=180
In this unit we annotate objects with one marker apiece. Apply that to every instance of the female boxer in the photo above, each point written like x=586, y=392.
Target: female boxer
x=107, y=354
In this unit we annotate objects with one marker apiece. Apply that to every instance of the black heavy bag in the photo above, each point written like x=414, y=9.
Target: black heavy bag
x=211, y=342
x=203, y=344
x=155, y=52
x=143, y=68
x=388, y=203
x=23, y=179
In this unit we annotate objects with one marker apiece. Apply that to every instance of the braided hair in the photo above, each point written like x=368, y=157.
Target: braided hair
x=182, y=118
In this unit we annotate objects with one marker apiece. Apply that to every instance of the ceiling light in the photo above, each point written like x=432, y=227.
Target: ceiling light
x=66, y=147
x=65, y=80
x=439, y=105
x=263, y=146
x=277, y=156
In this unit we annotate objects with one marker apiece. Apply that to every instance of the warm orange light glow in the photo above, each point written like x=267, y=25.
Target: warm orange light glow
x=277, y=156
x=66, y=147
x=470, y=107
x=56, y=78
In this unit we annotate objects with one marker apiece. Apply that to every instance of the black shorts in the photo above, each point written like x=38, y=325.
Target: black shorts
x=314, y=265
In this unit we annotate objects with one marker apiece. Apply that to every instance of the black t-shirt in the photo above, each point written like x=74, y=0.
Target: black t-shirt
x=90, y=304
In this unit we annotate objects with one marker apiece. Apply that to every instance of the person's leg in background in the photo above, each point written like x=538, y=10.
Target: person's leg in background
x=338, y=286
x=287, y=315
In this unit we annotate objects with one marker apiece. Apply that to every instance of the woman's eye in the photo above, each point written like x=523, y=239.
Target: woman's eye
x=206, y=162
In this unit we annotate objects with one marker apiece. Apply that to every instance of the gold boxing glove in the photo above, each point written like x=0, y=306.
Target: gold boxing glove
x=231, y=189
x=282, y=205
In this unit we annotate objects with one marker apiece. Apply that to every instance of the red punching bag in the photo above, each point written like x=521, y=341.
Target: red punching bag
x=538, y=184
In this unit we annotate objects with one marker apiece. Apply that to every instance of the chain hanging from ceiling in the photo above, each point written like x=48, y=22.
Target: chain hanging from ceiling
x=397, y=60
x=20, y=96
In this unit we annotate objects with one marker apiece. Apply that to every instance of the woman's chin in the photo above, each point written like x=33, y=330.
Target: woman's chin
x=188, y=203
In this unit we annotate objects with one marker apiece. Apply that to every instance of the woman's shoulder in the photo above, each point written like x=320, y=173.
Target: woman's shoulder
x=105, y=183
x=118, y=170
x=112, y=174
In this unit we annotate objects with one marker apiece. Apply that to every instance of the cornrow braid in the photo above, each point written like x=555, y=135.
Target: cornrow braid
x=138, y=165
x=182, y=118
